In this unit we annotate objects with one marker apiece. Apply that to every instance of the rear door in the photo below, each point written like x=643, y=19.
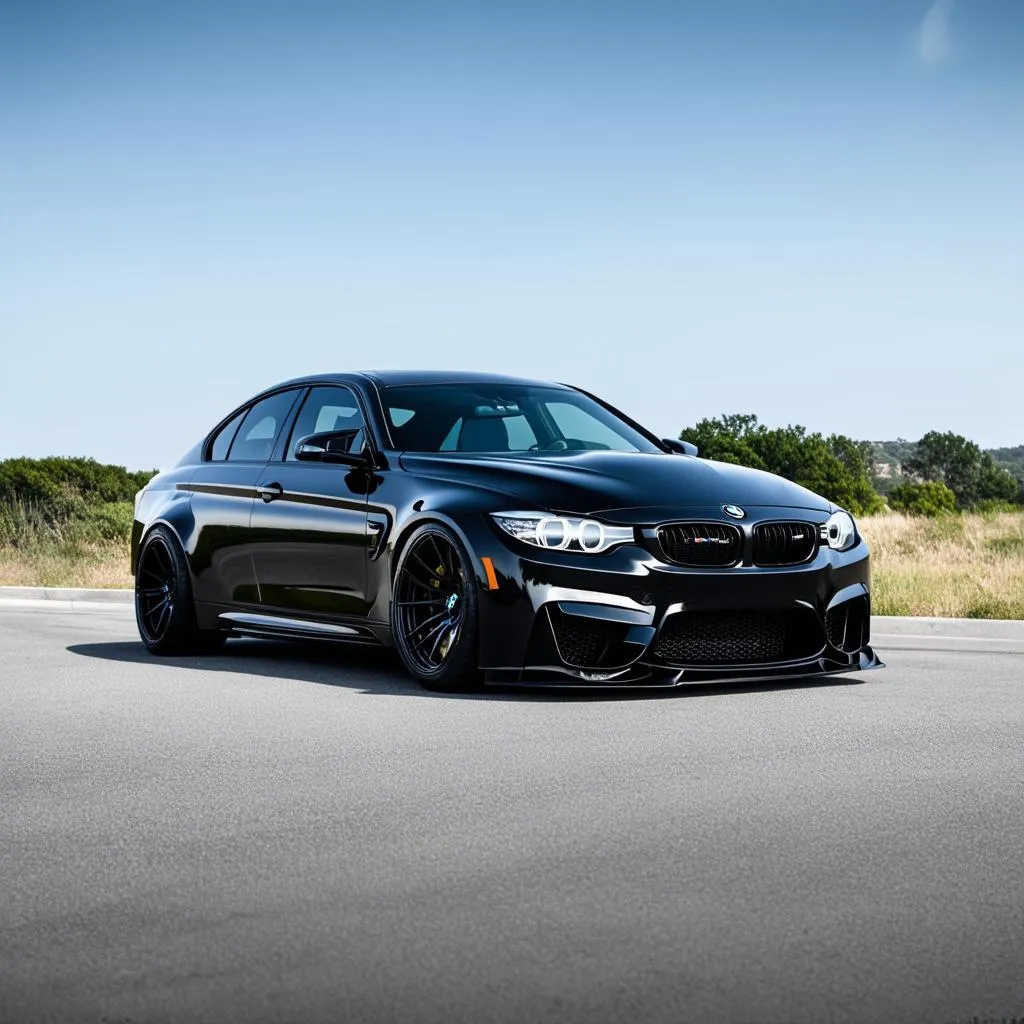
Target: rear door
x=223, y=488
x=308, y=526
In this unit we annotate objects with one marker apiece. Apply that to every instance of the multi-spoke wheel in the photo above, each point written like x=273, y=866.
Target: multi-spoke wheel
x=163, y=599
x=433, y=610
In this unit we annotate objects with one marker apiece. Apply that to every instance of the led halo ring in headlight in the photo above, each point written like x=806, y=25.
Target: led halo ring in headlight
x=590, y=535
x=839, y=531
x=554, y=532
x=563, y=533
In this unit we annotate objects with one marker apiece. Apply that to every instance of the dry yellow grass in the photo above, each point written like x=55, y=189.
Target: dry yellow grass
x=73, y=565
x=969, y=566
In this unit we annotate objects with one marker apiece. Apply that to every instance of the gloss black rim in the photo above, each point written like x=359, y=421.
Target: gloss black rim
x=430, y=598
x=154, y=589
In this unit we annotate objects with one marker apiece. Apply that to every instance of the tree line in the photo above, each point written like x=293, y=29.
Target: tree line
x=941, y=473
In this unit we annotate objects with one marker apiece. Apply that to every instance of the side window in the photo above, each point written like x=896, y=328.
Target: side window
x=222, y=441
x=329, y=410
x=399, y=417
x=255, y=439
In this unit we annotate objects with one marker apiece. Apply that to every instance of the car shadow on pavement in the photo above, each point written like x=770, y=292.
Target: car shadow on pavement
x=375, y=670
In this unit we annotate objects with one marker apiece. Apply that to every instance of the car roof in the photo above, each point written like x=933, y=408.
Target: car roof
x=395, y=378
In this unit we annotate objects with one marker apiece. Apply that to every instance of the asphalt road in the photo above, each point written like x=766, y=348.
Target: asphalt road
x=300, y=834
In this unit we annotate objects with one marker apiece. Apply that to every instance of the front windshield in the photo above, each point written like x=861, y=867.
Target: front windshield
x=495, y=418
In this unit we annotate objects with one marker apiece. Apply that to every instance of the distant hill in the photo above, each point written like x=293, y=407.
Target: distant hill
x=888, y=458
x=1011, y=459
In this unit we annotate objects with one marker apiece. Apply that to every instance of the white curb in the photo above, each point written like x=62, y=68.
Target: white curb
x=76, y=595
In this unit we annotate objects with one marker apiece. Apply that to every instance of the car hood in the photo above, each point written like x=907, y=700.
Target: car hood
x=617, y=486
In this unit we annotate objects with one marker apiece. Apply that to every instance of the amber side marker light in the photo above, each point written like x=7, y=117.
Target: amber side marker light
x=492, y=580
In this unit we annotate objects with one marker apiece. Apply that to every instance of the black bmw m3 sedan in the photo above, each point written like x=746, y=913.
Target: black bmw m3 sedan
x=498, y=530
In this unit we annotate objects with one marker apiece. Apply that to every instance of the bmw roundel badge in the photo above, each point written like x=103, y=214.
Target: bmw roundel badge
x=735, y=511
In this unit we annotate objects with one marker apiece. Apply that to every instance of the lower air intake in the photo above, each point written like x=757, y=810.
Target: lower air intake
x=848, y=625
x=582, y=642
x=738, y=637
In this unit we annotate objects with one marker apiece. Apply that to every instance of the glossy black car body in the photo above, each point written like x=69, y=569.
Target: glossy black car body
x=275, y=546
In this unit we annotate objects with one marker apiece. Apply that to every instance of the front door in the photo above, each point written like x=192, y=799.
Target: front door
x=308, y=530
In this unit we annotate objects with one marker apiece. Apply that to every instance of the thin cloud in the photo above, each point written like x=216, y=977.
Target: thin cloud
x=934, y=40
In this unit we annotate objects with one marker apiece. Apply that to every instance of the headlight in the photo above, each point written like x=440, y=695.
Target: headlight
x=562, y=533
x=839, y=531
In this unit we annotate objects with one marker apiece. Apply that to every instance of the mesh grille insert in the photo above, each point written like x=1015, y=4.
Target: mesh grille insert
x=738, y=637
x=582, y=642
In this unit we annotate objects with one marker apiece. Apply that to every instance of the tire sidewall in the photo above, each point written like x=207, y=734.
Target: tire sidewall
x=459, y=671
x=181, y=630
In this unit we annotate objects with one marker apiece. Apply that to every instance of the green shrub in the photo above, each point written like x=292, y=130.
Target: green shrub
x=991, y=508
x=107, y=522
x=23, y=525
x=65, y=501
x=931, y=498
x=63, y=490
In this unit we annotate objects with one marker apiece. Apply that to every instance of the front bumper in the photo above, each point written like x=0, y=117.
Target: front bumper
x=627, y=619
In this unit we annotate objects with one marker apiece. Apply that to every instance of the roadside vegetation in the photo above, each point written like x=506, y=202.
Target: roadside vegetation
x=947, y=539
x=967, y=566
x=65, y=522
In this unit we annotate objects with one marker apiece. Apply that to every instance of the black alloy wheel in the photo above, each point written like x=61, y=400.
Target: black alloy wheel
x=433, y=611
x=164, y=610
x=155, y=590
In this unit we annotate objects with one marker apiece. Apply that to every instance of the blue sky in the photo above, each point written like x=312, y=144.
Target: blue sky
x=813, y=211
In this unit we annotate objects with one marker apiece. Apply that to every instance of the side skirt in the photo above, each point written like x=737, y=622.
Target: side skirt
x=259, y=624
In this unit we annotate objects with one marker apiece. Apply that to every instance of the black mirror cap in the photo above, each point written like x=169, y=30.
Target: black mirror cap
x=332, y=447
x=680, y=447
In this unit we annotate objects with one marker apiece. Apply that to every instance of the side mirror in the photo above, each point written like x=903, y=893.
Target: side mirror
x=680, y=447
x=332, y=446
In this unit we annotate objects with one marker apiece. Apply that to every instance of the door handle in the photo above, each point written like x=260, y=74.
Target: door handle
x=268, y=492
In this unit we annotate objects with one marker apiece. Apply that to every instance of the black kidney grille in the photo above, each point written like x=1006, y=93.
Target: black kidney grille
x=784, y=543
x=701, y=543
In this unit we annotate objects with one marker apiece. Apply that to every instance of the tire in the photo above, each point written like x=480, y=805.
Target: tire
x=436, y=635
x=164, y=609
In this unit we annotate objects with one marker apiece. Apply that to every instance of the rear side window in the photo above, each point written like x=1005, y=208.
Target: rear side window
x=255, y=439
x=223, y=438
